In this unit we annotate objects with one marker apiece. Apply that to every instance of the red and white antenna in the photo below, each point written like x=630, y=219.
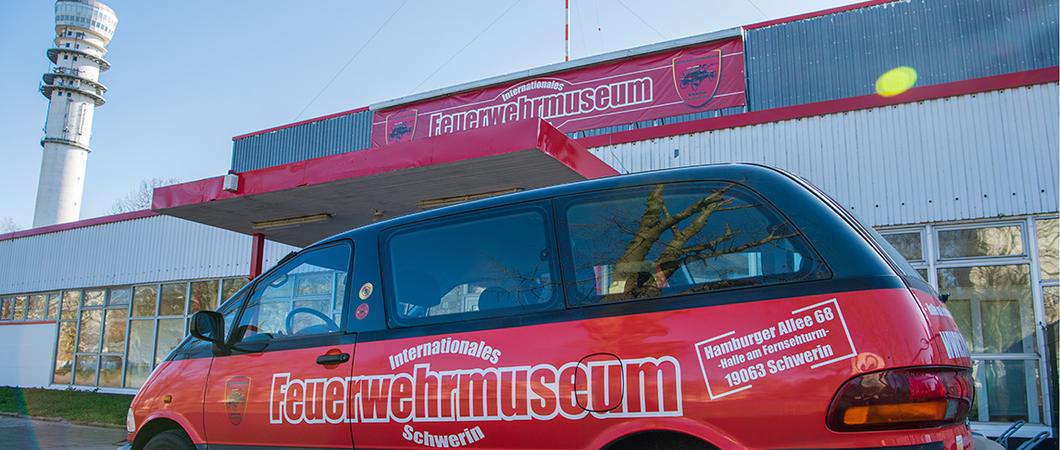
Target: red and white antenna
x=566, y=31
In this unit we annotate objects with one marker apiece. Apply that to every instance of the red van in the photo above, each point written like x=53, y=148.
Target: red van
x=726, y=306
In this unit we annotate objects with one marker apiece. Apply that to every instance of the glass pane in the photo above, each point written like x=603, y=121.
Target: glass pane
x=1052, y=303
x=144, y=299
x=203, y=296
x=53, y=306
x=314, y=284
x=977, y=376
x=305, y=281
x=64, y=353
x=114, y=331
x=477, y=251
x=94, y=297
x=38, y=307
x=681, y=238
x=88, y=340
x=173, y=296
x=71, y=300
x=85, y=370
x=7, y=308
x=1049, y=248
x=120, y=296
x=987, y=241
x=141, y=349
x=19, y=308
x=230, y=286
x=1006, y=388
x=908, y=244
x=110, y=370
x=170, y=333
x=923, y=273
x=992, y=306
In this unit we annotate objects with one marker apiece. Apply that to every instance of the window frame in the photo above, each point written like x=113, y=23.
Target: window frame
x=1039, y=394
x=252, y=290
x=556, y=303
x=562, y=203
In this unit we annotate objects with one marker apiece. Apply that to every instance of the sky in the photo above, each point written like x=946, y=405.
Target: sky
x=187, y=76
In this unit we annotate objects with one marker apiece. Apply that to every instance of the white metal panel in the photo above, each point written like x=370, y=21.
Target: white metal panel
x=158, y=248
x=972, y=156
x=25, y=354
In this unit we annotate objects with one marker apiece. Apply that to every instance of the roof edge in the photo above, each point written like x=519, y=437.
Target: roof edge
x=78, y=224
x=823, y=12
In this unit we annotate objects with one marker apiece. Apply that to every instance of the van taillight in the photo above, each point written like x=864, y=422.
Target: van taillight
x=902, y=398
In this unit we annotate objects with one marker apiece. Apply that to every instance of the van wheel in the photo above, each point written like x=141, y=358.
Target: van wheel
x=170, y=440
x=660, y=440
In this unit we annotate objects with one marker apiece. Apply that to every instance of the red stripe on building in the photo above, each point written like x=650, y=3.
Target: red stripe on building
x=823, y=12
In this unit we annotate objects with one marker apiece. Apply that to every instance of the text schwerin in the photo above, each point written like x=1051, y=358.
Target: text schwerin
x=645, y=387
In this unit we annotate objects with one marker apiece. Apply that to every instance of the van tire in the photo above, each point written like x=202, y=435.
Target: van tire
x=170, y=440
x=660, y=440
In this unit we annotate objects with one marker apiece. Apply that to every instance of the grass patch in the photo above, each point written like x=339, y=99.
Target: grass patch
x=74, y=406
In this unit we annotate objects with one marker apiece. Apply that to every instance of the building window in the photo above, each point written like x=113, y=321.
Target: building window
x=909, y=244
x=984, y=241
x=29, y=308
x=1002, y=281
x=113, y=337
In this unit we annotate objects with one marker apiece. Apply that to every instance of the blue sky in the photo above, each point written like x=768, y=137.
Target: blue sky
x=189, y=75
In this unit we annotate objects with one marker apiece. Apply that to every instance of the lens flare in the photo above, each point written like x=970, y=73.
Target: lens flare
x=895, y=81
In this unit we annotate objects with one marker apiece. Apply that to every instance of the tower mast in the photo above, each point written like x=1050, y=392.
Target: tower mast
x=83, y=29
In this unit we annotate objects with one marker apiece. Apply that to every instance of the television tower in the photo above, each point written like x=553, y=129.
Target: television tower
x=83, y=28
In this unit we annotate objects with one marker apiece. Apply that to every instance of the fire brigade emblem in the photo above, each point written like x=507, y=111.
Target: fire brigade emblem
x=696, y=77
x=401, y=126
x=236, y=392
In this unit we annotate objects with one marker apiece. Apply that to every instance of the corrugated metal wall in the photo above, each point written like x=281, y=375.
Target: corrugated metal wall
x=158, y=248
x=312, y=140
x=973, y=156
x=842, y=55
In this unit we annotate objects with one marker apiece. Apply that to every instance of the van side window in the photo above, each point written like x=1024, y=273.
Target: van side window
x=475, y=266
x=678, y=238
x=304, y=297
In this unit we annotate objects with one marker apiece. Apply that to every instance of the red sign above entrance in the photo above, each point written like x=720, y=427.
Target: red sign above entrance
x=669, y=83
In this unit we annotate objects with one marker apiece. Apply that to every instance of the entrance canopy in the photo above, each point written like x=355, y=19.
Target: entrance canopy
x=302, y=202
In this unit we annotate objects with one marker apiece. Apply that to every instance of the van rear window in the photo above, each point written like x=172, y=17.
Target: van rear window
x=671, y=239
x=472, y=266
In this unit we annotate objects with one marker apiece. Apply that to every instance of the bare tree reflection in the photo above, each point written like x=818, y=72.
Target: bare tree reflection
x=658, y=242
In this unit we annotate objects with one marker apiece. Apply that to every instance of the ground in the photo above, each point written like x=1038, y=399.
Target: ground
x=23, y=433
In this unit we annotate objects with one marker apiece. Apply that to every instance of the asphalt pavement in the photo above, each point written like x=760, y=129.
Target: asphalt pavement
x=22, y=433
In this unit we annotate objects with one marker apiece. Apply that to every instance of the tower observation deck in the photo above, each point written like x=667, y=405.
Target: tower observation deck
x=83, y=29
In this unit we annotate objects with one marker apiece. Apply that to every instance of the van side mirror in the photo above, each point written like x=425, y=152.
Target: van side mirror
x=208, y=326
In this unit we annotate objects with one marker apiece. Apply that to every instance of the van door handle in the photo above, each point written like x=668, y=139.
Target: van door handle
x=333, y=358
